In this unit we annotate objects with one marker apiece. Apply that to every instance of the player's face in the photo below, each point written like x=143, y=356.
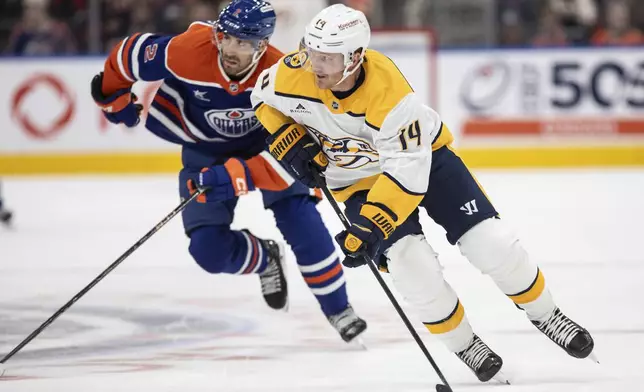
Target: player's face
x=327, y=67
x=236, y=54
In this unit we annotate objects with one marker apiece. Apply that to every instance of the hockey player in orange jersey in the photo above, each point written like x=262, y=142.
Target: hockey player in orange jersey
x=204, y=104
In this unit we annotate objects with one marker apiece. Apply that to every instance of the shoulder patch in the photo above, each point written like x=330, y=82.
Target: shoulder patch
x=296, y=60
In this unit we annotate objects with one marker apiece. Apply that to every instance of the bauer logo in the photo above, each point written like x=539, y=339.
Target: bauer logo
x=232, y=122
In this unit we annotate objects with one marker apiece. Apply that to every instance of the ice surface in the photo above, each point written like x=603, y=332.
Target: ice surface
x=158, y=323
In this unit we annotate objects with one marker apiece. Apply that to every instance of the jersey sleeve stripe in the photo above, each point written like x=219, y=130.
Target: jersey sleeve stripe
x=352, y=114
x=135, y=54
x=127, y=58
x=119, y=60
x=399, y=185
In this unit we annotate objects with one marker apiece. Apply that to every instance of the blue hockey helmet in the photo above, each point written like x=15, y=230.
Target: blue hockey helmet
x=247, y=20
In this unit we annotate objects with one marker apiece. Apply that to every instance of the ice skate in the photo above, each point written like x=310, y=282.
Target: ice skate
x=567, y=334
x=484, y=362
x=348, y=324
x=273, y=278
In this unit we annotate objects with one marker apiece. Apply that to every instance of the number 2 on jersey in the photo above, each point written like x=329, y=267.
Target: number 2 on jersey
x=408, y=134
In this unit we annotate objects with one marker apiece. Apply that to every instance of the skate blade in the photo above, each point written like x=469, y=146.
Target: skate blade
x=500, y=378
x=286, y=307
x=359, y=343
x=282, y=250
x=593, y=358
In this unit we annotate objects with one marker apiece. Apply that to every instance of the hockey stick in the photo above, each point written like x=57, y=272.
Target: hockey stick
x=100, y=277
x=444, y=387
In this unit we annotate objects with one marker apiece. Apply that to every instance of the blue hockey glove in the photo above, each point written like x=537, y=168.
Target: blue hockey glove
x=296, y=150
x=118, y=108
x=222, y=182
x=361, y=242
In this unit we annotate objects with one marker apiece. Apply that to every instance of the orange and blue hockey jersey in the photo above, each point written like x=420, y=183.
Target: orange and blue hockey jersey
x=197, y=104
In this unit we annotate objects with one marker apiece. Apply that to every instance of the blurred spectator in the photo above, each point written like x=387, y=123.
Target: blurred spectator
x=37, y=33
x=550, y=31
x=512, y=28
x=517, y=21
x=141, y=19
x=201, y=11
x=619, y=30
x=41, y=27
x=115, y=16
x=577, y=17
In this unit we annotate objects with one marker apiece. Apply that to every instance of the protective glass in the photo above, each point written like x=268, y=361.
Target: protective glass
x=324, y=63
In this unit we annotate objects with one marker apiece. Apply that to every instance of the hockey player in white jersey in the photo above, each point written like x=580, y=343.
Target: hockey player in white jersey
x=347, y=111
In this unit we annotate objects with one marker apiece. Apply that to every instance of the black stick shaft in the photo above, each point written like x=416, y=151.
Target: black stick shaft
x=385, y=288
x=100, y=277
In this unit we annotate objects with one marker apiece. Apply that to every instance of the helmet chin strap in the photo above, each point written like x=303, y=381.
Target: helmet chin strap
x=257, y=55
x=348, y=73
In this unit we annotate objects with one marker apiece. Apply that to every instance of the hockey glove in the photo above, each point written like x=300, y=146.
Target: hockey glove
x=222, y=182
x=298, y=152
x=119, y=107
x=361, y=242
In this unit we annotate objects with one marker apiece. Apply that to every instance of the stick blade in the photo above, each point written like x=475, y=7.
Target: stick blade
x=443, y=388
x=3, y=368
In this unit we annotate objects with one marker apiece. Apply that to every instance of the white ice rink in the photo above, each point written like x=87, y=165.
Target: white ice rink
x=160, y=324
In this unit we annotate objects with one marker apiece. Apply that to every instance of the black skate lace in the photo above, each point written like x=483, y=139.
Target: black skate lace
x=344, y=319
x=559, y=328
x=271, y=278
x=475, y=354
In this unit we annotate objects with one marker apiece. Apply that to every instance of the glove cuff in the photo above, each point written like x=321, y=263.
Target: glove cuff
x=117, y=101
x=281, y=142
x=380, y=216
x=240, y=176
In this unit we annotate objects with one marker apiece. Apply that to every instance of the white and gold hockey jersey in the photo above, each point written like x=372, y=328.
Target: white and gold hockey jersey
x=378, y=136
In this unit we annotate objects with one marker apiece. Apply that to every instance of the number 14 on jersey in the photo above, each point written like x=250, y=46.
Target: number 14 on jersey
x=408, y=134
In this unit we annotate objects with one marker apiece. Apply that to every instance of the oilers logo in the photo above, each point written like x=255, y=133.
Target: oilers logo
x=232, y=123
x=346, y=152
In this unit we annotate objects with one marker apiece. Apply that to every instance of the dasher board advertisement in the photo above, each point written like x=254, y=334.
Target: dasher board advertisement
x=557, y=95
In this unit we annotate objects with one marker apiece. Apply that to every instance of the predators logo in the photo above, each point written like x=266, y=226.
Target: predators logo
x=347, y=152
x=296, y=60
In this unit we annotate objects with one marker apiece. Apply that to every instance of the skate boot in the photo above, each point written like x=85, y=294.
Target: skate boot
x=567, y=334
x=348, y=324
x=484, y=362
x=273, y=278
